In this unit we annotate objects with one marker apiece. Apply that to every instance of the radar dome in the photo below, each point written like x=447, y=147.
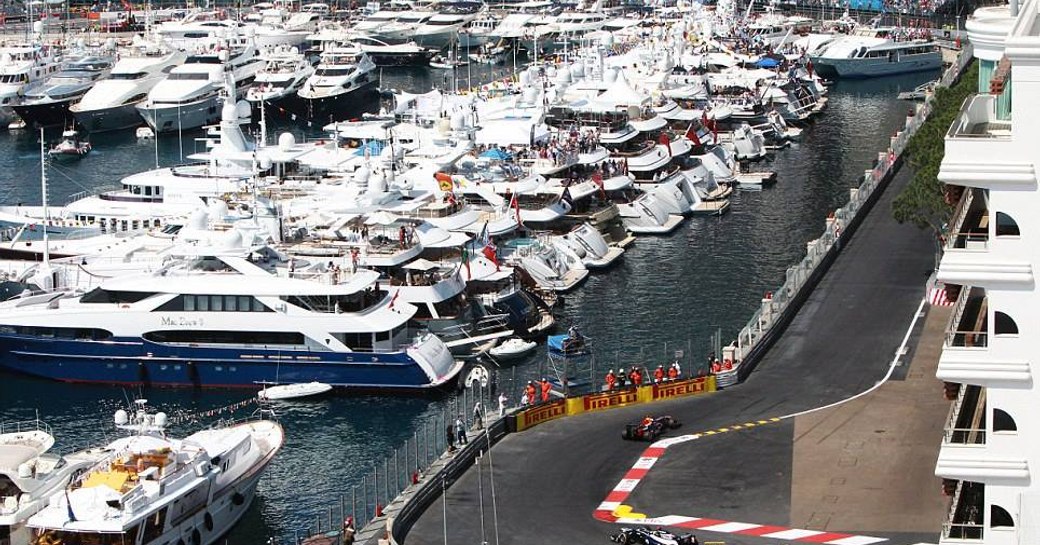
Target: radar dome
x=578, y=71
x=161, y=420
x=243, y=109
x=218, y=209
x=607, y=40
x=633, y=112
x=286, y=140
x=231, y=239
x=198, y=220
x=223, y=55
x=458, y=121
x=265, y=163
x=229, y=113
x=121, y=417
x=362, y=174
x=376, y=183
x=25, y=470
x=610, y=75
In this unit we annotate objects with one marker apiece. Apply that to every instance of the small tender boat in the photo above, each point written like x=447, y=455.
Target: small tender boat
x=71, y=145
x=293, y=391
x=145, y=133
x=513, y=348
x=443, y=63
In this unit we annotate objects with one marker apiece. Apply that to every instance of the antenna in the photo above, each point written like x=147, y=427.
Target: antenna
x=46, y=215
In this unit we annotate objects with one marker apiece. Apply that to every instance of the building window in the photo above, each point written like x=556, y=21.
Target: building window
x=1002, y=421
x=1003, y=324
x=1006, y=226
x=999, y=517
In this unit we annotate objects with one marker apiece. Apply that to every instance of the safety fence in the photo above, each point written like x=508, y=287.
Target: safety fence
x=778, y=307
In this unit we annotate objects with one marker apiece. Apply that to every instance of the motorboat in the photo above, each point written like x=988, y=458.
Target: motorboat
x=274, y=30
x=293, y=391
x=71, y=145
x=573, y=26
x=47, y=103
x=590, y=245
x=270, y=320
x=190, y=97
x=343, y=78
x=402, y=54
x=478, y=31
x=441, y=30
x=111, y=104
x=873, y=52
x=22, y=65
x=154, y=488
x=513, y=348
x=284, y=73
x=30, y=474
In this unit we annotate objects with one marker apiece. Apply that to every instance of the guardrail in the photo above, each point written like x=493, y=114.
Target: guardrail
x=779, y=307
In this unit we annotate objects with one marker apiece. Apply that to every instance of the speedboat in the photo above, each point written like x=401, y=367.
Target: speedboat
x=151, y=488
x=189, y=97
x=71, y=145
x=513, y=348
x=47, y=103
x=293, y=391
x=30, y=474
x=285, y=72
x=343, y=77
x=21, y=66
x=258, y=321
x=111, y=104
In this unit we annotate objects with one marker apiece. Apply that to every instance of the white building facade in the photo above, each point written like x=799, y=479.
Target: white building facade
x=991, y=445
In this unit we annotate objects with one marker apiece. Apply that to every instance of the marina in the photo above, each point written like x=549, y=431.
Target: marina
x=383, y=210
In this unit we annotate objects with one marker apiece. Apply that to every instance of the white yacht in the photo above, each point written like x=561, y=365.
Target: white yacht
x=206, y=26
x=111, y=104
x=573, y=26
x=190, y=96
x=151, y=488
x=590, y=246
x=477, y=32
x=441, y=30
x=403, y=28
x=343, y=76
x=30, y=474
x=20, y=66
x=872, y=52
x=284, y=73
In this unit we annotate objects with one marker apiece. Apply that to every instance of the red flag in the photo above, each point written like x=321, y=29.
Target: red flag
x=491, y=252
x=691, y=135
x=394, y=299
x=515, y=204
x=597, y=178
x=665, y=141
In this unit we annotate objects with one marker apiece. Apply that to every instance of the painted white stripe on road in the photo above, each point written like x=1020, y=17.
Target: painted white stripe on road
x=670, y=520
x=858, y=540
x=626, y=485
x=794, y=533
x=730, y=527
x=608, y=506
x=644, y=463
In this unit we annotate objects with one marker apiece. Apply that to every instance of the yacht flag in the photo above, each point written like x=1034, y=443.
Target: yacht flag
x=515, y=204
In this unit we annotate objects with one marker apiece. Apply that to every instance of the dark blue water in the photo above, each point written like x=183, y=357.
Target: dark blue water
x=667, y=293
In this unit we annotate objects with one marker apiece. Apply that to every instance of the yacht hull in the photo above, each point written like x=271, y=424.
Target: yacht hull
x=875, y=67
x=360, y=99
x=47, y=114
x=134, y=361
x=181, y=118
x=115, y=118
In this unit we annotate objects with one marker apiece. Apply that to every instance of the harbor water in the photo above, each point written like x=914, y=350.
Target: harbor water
x=667, y=293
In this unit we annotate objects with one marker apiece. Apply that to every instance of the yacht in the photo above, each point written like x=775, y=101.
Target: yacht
x=151, y=488
x=441, y=30
x=189, y=97
x=285, y=72
x=342, y=79
x=226, y=320
x=403, y=28
x=573, y=26
x=111, y=104
x=873, y=52
x=47, y=103
x=30, y=474
x=206, y=26
x=477, y=32
x=21, y=66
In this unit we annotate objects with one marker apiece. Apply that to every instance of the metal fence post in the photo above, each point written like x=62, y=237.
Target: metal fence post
x=386, y=480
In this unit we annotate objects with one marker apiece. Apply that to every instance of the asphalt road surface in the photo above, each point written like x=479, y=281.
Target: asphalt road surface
x=548, y=481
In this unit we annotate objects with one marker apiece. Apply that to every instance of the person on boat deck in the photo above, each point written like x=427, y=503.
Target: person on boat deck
x=611, y=379
x=546, y=388
x=460, y=429
x=659, y=374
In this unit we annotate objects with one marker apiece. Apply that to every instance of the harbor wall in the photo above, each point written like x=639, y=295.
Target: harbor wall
x=779, y=307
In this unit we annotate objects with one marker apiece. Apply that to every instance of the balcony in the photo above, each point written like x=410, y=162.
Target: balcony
x=966, y=423
x=967, y=325
x=969, y=230
x=978, y=120
x=964, y=522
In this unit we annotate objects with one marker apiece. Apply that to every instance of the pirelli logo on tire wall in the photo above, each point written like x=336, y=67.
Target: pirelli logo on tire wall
x=608, y=400
x=542, y=413
x=667, y=390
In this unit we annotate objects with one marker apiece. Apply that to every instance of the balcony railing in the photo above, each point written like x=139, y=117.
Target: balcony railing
x=978, y=119
x=967, y=241
x=967, y=339
x=962, y=531
x=965, y=436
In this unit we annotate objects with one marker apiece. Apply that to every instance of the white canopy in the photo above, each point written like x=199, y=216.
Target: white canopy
x=421, y=264
x=620, y=94
x=381, y=218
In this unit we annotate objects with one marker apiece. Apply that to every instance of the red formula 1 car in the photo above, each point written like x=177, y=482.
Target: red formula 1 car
x=650, y=428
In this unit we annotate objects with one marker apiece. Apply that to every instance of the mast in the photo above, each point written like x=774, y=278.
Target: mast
x=43, y=192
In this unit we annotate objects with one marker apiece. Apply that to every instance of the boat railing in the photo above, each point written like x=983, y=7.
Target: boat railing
x=93, y=192
x=24, y=426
